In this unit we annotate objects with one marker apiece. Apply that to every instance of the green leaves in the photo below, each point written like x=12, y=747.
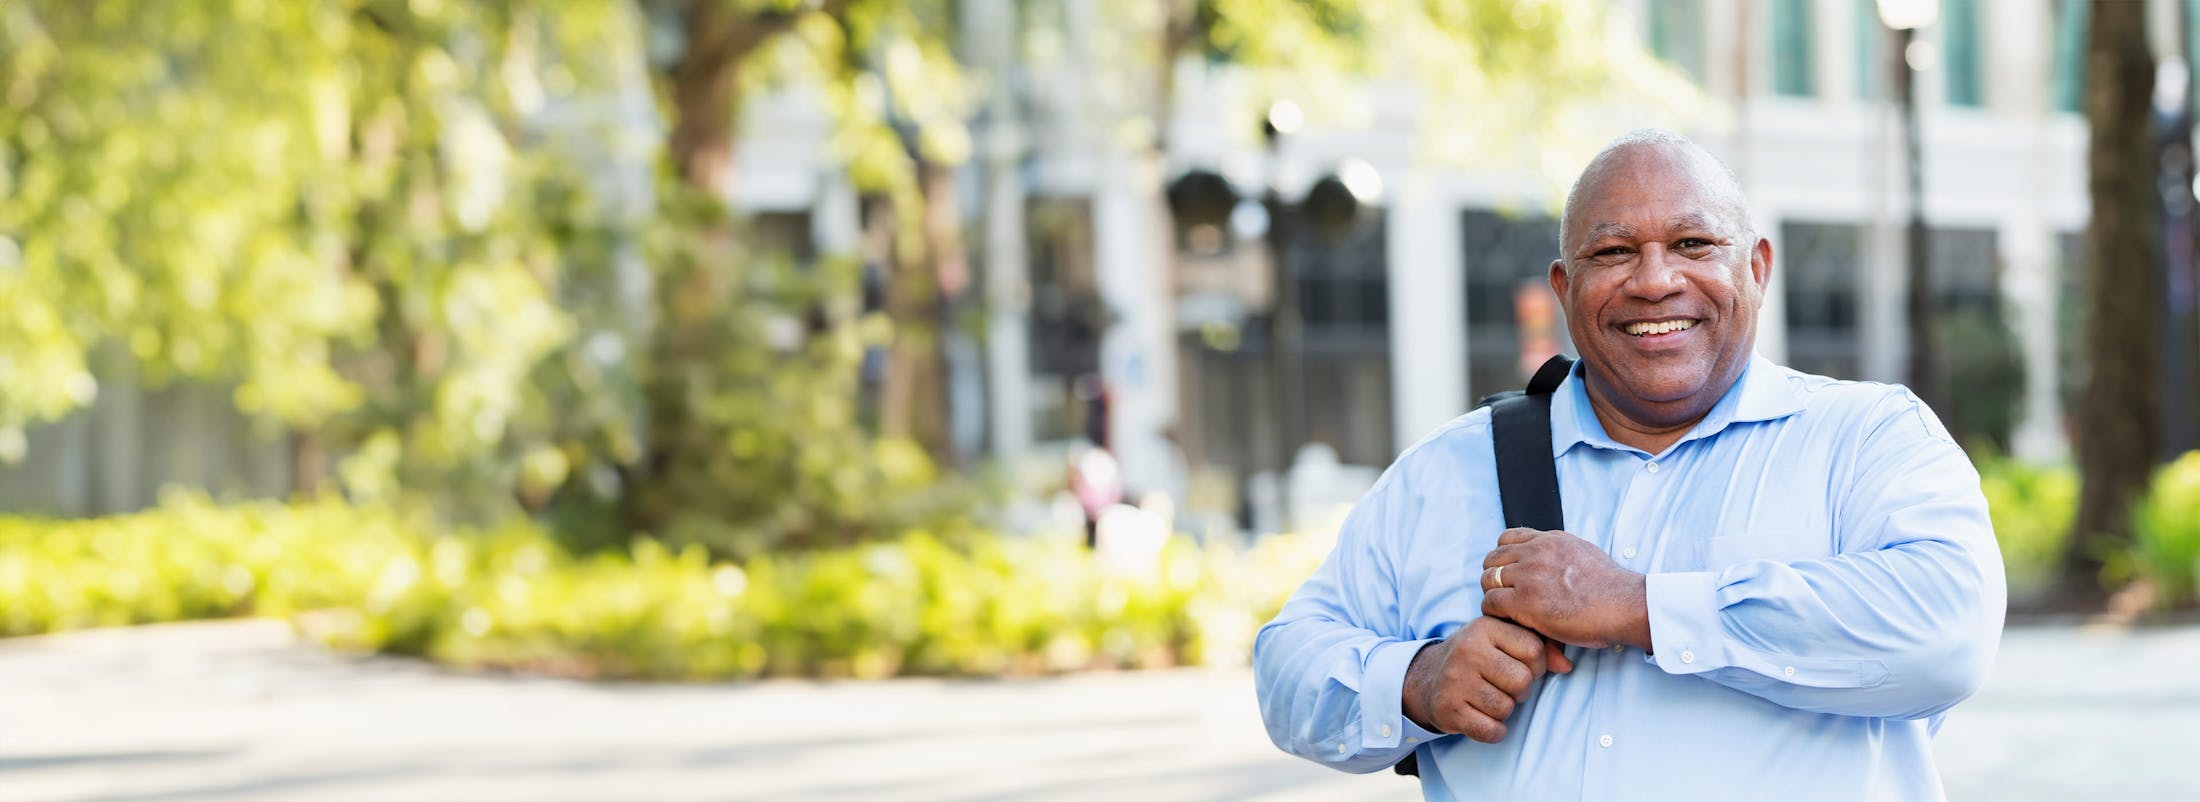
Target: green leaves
x=368, y=577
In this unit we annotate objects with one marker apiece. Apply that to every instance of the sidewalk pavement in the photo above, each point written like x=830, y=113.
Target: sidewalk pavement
x=242, y=710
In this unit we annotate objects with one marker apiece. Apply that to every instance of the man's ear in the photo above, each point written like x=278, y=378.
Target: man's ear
x=1558, y=279
x=1760, y=264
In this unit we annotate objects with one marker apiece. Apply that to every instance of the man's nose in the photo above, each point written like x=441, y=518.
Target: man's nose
x=1656, y=275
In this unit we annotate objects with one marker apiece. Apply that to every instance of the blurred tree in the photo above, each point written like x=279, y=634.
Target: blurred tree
x=754, y=435
x=2118, y=415
x=346, y=209
x=388, y=224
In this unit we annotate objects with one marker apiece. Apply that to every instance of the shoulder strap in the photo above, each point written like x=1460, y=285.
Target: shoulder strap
x=1527, y=475
x=1520, y=431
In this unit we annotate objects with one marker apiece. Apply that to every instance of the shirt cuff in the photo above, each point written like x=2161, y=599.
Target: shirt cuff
x=1685, y=633
x=1383, y=722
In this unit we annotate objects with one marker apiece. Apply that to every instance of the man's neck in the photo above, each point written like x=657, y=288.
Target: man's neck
x=1650, y=439
x=1645, y=430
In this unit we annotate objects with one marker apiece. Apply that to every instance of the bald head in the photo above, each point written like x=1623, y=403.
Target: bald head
x=1638, y=149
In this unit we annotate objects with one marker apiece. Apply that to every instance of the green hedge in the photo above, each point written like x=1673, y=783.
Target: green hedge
x=369, y=579
x=2166, y=544
x=2032, y=508
x=377, y=579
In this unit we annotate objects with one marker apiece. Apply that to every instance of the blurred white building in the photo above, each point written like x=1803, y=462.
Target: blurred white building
x=1404, y=320
x=1399, y=323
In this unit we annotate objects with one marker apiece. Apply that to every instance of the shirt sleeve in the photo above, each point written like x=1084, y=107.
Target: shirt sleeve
x=1330, y=669
x=1903, y=627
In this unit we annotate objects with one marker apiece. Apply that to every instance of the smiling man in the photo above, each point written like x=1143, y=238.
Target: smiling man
x=1772, y=585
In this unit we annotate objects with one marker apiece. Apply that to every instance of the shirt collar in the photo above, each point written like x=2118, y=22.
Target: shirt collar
x=1764, y=392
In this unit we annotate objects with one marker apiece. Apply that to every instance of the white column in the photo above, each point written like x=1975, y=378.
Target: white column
x=1137, y=353
x=2029, y=287
x=1428, y=314
x=1880, y=314
x=1772, y=319
x=1008, y=307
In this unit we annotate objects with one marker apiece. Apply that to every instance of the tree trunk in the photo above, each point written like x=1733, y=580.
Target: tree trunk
x=704, y=87
x=913, y=397
x=2118, y=420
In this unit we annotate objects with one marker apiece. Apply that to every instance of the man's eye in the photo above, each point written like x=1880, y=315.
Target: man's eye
x=1694, y=244
x=1612, y=251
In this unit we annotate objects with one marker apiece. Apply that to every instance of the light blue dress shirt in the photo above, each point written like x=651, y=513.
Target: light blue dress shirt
x=1823, y=587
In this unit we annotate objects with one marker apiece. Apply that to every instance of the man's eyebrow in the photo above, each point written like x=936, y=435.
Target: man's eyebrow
x=1609, y=229
x=1689, y=220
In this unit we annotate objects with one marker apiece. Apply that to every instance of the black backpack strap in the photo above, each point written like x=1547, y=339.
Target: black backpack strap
x=1520, y=431
x=1527, y=474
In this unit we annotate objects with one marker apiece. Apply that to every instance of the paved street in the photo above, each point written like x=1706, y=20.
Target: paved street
x=243, y=711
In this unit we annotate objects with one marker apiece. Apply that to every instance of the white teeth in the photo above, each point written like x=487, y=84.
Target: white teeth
x=1660, y=327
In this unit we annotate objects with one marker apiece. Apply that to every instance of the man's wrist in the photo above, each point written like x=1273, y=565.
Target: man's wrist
x=1635, y=631
x=1410, y=690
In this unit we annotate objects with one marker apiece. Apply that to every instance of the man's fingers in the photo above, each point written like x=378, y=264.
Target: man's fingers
x=1476, y=725
x=1491, y=700
x=1498, y=602
x=1518, y=534
x=1502, y=555
x=1554, y=653
x=1512, y=677
x=1516, y=641
x=1500, y=576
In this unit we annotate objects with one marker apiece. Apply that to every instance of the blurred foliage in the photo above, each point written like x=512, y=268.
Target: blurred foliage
x=1557, y=70
x=512, y=597
x=2165, y=552
x=347, y=210
x=764, y=376
x=1984, y=376
x=2032, y=508
x=193, y=559
x=452, y=246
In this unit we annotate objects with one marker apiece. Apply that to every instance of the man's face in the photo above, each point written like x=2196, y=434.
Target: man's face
x=1661, y=281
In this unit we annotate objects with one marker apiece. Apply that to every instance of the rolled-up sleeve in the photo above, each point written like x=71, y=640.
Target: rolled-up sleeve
x=1902, y=625
x=1331, y=666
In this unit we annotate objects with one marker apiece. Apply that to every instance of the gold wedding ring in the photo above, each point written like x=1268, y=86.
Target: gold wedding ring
x=1498, y=579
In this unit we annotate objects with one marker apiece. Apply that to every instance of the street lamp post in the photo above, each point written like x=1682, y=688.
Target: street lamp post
x=1905, y=17
x=1284, y=377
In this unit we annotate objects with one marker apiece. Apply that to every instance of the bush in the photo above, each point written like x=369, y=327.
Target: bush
x=375, y=579
x=2166, y=546
x=2032, y=508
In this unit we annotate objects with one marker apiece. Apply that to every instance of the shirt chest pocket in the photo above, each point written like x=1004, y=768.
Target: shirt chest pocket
x=1778, y=544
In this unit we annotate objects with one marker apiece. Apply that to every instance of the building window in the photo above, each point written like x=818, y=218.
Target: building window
x=1676, y=35
x=1981, y=370
x=1821, y=273
x=1343, y=288
x=1067, y=316
x=1507, y=259
x=1960, y=33
x=784, y=233
x=1792, y=69
x=1343, y=285
x=2071, y=20
x=1966, y=269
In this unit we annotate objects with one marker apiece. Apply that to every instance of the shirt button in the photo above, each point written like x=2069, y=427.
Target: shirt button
x=1386, y=727
x=1412, y=739
x=1340, y=749
x=1652, y=467
x=1604, y=741
x=1688, y=656
x=1790, y=671
x=1628, y=552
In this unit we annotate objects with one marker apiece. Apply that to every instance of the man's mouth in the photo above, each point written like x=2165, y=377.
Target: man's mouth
x=1650, y=328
